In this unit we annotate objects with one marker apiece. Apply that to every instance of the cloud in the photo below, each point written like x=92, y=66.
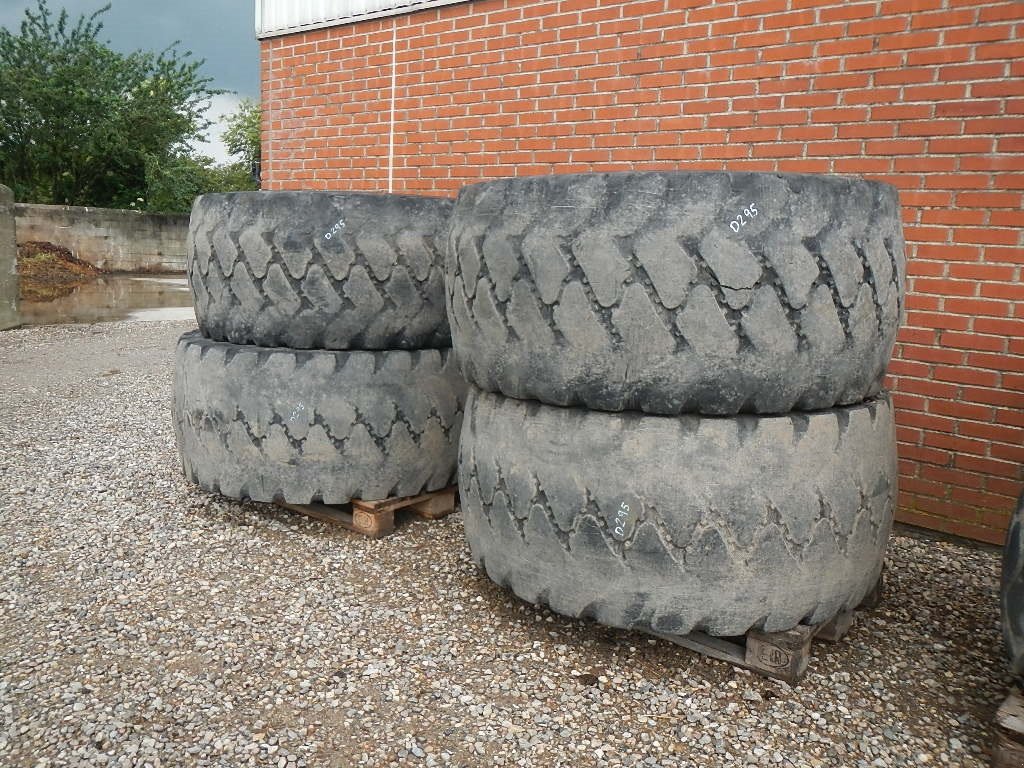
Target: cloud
x=220, y=107
x=222, y=32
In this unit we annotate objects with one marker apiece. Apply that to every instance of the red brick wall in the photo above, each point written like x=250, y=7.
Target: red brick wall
x=925, y=94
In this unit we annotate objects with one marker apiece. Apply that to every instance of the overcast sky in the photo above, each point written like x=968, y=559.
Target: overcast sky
x=219, y=31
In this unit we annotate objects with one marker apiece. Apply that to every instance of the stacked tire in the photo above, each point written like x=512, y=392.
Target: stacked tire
x=322, y=369
x=676, y=420
x=1011, y=594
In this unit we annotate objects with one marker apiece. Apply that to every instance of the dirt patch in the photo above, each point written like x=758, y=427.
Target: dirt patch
x=47, y=271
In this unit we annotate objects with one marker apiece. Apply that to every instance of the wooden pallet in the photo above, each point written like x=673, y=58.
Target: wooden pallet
x=1009, y=747
x=377, y=518
x=782, y=655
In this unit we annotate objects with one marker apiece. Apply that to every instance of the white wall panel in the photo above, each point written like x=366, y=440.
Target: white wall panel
x=281, y=17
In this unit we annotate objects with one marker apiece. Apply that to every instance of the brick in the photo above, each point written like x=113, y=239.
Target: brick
x=832, y=148
x=961, y=410
x=926, y=454
x=973, y=341
x=998, y=397
x=923, y=487
x=875, y=95
x=713, y=13
x=988, y=466
x=971, y=108
x=1014, y=87
x=956, y=443
x=1013, y=454
x=984, y=307
x=966, y=376
x=902, y=112
x=840, y=115
x=782, y=117
x=998, y=254
x=787, y=165
x=979, y=499
x=931, y=354
x=866, y=130
x=977, y=34
x=950, y=216
x=939, y=55
x=845, y=46
x=676, y=153
x=904, y=75
x=1002, y=12
x=1002, y=327
x=847, y=12
x=502, y=92
x=1010, y=291
x=960, y=145
x=949, y=476
x=943, y=19
x=723, y=152
x=896, y=147
x=874, y=61
x=958, y=181
x=1010, y=180
x=989, y=199
x=993, y=432
x=987, y=236
x=893, y=42
x=788, y=52
x=1010, y=50
x=755, y=135
x=982, y=71
x=930, y=128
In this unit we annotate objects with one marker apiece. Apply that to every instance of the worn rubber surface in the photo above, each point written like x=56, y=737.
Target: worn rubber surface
x=1012, y=593
x=304, y=426
x=632, y=291
x=732, y=523
x=320, y=270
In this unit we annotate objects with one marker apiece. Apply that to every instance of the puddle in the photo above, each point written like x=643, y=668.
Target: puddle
x=116, y=297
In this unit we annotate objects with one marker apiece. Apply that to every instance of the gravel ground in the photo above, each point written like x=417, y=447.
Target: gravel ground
x=143, y=622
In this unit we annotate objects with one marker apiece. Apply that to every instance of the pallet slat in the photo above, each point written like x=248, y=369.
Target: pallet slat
x=1009, y=747
x=782, y=655
x=376, y=518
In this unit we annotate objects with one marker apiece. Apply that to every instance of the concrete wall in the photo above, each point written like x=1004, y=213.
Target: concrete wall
x=8, y=261
x=120, y=241
x=925, y=94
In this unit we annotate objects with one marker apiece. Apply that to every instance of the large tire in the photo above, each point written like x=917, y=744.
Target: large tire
x=1012, y=592
x=304, y=426
x=762, y=522
x=320, y=270
x=631, y=291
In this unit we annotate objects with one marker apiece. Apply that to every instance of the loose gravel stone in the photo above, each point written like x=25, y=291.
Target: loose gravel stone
x=145, y=623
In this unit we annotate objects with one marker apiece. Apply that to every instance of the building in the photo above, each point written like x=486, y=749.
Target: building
x=425, y=97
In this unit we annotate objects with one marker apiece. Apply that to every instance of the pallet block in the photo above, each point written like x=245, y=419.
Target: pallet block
x=1009, y=747
x=377, y=518
x=782, y=655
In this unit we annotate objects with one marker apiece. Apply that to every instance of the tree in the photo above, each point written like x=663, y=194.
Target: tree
x=173, y=183
x=80, y=123
x=242, y=136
